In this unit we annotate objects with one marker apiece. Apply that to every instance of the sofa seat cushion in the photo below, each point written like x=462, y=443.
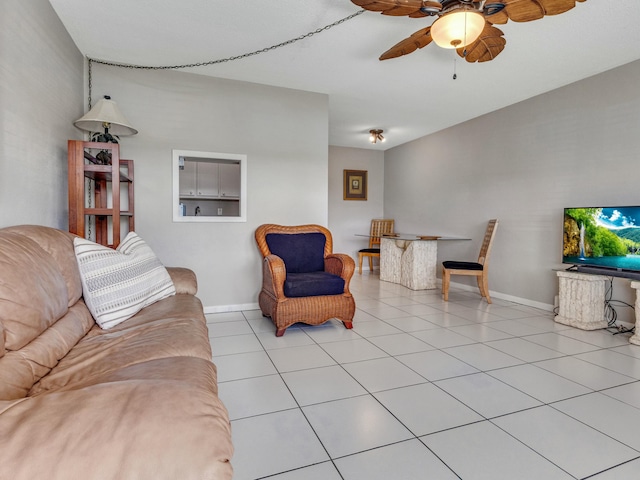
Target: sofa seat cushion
x=313, y=284
x=172, y=327
x=117, y=284
x=301, y=252
x=158, y=419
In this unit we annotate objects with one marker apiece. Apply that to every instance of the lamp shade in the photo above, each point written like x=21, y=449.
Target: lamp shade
x=457, y=29
x=105, y=113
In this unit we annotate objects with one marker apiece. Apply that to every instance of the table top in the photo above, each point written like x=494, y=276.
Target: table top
x=412, y=237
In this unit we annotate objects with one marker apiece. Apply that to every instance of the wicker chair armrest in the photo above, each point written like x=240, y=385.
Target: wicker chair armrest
x=274, y=274
x=342, y=265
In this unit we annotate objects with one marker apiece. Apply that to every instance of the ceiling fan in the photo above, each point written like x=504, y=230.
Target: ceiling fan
x=465, y=25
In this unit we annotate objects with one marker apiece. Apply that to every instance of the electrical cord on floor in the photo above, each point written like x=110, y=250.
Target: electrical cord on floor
x=610, y=314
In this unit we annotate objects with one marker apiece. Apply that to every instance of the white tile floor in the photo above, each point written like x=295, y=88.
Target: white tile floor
x=424, y=389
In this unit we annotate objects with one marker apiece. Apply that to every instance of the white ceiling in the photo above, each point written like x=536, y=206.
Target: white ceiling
x=407, y=97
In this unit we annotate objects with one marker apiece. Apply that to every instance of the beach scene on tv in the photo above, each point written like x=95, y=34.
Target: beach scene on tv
x=602, y=237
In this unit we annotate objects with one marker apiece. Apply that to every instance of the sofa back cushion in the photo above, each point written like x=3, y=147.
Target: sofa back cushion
x=59, y=245
x=33, y=292
x=41, y=314
x=21, y=369
x=301, y=252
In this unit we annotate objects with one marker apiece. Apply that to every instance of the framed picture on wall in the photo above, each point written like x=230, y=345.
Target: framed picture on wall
x=355, y=185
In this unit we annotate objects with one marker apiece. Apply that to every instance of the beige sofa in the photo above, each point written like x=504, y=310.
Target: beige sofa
x=137, y=401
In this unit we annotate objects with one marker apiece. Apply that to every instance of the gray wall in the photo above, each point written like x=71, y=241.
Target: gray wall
x=578, y=145
x=575, y=146
x=348, y=217
x=41, y=73
x=284, y=134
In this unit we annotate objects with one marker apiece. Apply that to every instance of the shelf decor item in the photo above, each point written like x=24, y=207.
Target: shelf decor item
x=355, y=185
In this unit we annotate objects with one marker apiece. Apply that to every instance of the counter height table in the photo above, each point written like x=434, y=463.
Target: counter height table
x=410, y=260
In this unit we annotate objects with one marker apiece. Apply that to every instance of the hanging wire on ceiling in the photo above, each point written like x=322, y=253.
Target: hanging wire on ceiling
x=221, y=60
x=230, y=59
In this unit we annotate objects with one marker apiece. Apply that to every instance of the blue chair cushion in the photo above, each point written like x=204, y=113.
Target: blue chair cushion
x=313, y=284
x=462, y=265
x=301, y=252
x=369, y=250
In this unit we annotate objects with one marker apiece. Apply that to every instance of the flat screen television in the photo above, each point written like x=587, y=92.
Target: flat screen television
x=603, y=240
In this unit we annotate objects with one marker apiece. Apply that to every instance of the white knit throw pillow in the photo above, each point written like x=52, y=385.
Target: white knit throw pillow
x=117, y=284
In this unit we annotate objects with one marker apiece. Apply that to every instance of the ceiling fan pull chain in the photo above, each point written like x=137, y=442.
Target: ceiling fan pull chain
x=464, y=53
x=465, y=29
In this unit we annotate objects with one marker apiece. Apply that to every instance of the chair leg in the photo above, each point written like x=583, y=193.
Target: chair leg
x=280, y=332
x=481, y=286
x=360, y=263
x=485, y=284
x=370, y=264
x=348, y=325
x=446, y=278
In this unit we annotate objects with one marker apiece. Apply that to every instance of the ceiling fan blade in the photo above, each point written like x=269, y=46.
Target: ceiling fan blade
x=556, y=7
x=529, y=10
x=487, y=47
x=398, y=8
x=419, y=39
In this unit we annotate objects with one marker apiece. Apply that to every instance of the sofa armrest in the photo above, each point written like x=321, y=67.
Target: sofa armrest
x=342, y=265
x=184, y=279
x=274, y=274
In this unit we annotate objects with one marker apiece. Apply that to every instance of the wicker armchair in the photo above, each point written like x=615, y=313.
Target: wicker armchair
x=317, y=282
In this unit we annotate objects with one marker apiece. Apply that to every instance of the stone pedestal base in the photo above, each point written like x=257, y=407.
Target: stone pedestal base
x=635, y=339
x=411, y=263
x=581, y=300
x=391, y=259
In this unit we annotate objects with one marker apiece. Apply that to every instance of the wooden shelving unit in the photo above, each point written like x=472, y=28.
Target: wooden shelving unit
x=97, y=188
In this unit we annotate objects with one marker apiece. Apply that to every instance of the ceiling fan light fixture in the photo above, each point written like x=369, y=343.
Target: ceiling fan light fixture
x=376, y=136
x=458, y=28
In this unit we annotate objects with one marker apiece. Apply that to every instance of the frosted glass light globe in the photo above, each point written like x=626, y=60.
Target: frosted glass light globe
x=457, y=29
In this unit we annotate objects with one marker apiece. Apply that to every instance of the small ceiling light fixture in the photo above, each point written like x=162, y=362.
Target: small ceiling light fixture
x=458, y=27
x=376, y=136
x=105, y=115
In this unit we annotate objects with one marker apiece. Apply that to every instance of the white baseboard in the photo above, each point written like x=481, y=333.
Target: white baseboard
x=231, y=308
x=503, y=296
x=526, y=301
x=467, y=288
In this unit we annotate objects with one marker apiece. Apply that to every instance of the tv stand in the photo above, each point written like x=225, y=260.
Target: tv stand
x=581, y=302
x=607, y=272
